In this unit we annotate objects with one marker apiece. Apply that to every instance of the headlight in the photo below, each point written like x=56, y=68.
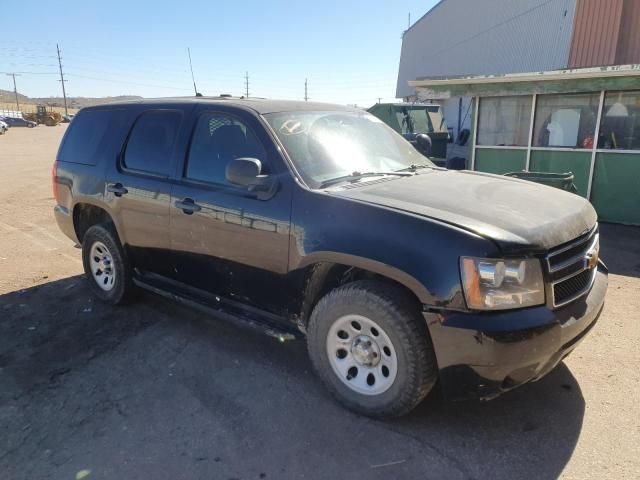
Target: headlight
x=497, y=284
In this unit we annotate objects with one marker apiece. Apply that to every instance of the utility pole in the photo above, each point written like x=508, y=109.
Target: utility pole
x=15, y=89
x=306, y=96
x=246, y=85
x=62, y=80
x=195, y=90
x=379, y=99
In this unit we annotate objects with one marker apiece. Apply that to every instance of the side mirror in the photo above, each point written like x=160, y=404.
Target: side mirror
x=247, y=172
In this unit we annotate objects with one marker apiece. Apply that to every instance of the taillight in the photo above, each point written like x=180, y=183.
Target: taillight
x=54, y=179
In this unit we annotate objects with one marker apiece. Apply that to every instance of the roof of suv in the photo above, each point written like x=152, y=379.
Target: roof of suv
x=260, y=105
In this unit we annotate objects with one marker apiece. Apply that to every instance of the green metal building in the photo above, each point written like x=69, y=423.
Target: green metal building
x=585, y=121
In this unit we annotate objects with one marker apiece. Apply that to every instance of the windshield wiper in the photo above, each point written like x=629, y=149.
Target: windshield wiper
x=355, y=176
x=414, y=166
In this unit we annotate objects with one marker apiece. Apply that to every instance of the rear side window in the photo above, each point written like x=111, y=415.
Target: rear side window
x=88, y=132
x=151, y=142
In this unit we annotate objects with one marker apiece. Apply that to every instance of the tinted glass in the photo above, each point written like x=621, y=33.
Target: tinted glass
x=151, y=142
x=85, y=139
x=567, y=121
x=620, y=124
x=504, y=121
x=217, y=140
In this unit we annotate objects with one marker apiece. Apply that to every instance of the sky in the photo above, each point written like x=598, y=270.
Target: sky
x=348, y=50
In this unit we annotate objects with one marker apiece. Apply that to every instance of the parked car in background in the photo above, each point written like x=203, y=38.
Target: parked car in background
x=3, y=127
x=19, y=122
x=317, y=219
x=67, y=118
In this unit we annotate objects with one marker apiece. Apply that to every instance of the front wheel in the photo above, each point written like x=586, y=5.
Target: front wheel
x=371, y=347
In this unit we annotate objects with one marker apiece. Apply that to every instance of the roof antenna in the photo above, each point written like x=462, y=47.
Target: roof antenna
x=192, y=77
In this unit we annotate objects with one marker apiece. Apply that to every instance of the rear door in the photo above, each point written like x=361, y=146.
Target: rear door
x=138, y=185
x=227, y=241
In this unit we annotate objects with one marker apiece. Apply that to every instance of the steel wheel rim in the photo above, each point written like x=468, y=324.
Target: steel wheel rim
x=102, y=268
x=363, y=358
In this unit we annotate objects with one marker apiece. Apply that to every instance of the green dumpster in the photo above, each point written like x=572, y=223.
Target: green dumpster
x=563, y=181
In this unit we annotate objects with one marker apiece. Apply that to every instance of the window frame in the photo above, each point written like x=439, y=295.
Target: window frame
x=530, y=148
x=529, y=125
x=122, y=166
x=212, y=185
x=594, y=93
x=602, y=118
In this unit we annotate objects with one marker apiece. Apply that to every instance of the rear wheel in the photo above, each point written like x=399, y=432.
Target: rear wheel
x=370, y=345
x=106, y=265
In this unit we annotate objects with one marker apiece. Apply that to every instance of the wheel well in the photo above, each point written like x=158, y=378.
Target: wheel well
x=323, y=277
x=85, y=216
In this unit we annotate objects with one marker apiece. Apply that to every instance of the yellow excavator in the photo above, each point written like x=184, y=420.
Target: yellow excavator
x=42, y=115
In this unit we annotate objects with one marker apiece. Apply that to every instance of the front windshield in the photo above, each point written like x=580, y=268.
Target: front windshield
x=329, y=145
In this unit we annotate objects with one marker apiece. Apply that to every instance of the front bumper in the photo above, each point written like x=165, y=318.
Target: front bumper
x=481, y=355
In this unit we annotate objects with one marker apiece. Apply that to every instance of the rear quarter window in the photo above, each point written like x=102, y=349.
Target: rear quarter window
x=88, y=134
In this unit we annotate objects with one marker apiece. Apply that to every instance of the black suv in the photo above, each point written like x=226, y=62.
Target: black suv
x=300, y=217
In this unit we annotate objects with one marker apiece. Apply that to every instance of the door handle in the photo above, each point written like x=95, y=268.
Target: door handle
x=188, y=206
x=117, y=189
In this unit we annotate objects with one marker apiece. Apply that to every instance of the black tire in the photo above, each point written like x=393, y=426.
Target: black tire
x=398, y=315
x=123, y=289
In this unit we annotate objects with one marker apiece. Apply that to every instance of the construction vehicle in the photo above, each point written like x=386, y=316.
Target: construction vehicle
x=42, y=115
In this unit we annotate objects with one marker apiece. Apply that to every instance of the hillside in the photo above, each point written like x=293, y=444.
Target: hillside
x=8, y=97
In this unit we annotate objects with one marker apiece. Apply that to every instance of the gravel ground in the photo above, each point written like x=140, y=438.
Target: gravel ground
x=155, y=390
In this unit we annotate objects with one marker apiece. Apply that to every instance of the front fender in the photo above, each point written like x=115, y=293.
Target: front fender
x=373, y=266
x=420, y=253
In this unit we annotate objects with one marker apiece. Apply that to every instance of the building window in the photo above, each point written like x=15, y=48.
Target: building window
x=620, y=124
x=504, y=121
x=566, y=121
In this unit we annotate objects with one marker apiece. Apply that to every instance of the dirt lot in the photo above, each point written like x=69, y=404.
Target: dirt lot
x=158, y=391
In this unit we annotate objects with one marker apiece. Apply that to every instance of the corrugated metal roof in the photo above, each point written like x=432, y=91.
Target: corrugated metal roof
x=471, y=37
x=595, y=35
x=629, y=43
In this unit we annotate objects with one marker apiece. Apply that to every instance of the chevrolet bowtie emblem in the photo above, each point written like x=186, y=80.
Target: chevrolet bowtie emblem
x=591, y=257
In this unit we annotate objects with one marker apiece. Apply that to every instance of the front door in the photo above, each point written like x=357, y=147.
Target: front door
x=225, y=239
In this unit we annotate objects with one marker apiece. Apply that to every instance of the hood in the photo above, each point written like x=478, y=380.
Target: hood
x=516, y=214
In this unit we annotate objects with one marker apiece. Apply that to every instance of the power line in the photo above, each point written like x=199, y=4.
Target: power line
x=33, y=73
x=487, y=30
x=108, y=80
x=62, y=80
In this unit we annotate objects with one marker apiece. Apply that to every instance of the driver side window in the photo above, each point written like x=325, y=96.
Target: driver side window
x=218, y=139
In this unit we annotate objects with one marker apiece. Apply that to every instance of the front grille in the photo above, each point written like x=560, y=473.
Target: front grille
x=572, y=268
x=566, y=289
